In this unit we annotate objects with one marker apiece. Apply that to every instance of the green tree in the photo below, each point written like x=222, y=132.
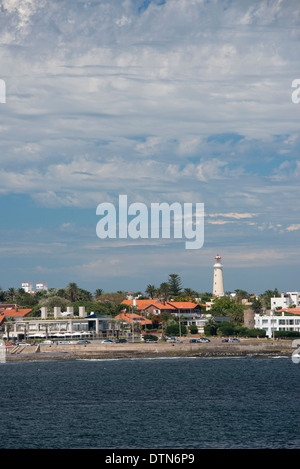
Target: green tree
x=173, y=329
x=54, y=301
x=11, y=294
x=164, y=290
x=72, y=292
x=210, y=327
x=267, y=295
x=227, y=306
x=175, y=284
x=189, y=293
x=256, y=305
x=226, y=329
x=151, y=291
x=98, y=292
x=193, y=329
x=240, y=294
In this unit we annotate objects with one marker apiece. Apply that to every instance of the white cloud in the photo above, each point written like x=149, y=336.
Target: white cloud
x=293, y=227
x=238, y=216
x=178, y=101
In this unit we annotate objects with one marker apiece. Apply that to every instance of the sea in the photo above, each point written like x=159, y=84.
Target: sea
x=175, y=403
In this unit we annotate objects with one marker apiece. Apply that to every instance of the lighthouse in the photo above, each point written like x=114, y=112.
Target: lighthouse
x=218, y=287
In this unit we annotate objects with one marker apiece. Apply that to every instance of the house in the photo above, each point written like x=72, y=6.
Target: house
x=16, y=314
x=283, y=322
x=92, y=325
x=28, y=287
x=130, y=318
x=285, y=300
x=7, y=306
x=157, y=306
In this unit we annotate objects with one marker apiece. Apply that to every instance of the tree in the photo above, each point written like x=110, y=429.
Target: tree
x=256, y=305
x=206, y=296
x=72, y=292
x=151, y=291
x=188, y=292
x=11, y=294
x=210, y=327
x=225, y=329
x=164, y=290
x=226, y=306
x=53, y=301
x=267, y=295
x=175, y=284
x=173, y=329
x=240, y=294
x=98, y=292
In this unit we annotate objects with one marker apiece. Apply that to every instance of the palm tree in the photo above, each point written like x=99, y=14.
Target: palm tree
x=164, y=290
x=11, y=294
x=98, y=292
x=72, y=292
x=151, y=291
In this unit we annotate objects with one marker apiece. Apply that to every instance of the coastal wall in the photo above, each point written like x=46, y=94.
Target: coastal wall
x=97, y=350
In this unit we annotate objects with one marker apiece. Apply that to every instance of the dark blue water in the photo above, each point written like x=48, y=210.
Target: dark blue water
x=161, y=403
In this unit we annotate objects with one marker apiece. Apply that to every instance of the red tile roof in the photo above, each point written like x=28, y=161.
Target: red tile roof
x=133, y=317
x=140, y=304
x=159, y=305
x=183, y=304
x=171, y=305
x=289, y=310
x=14, y=312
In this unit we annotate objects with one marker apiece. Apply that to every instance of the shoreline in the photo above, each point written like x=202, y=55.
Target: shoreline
x=214, y=349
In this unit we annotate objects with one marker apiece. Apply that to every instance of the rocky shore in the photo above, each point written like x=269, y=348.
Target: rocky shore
x=215, y=348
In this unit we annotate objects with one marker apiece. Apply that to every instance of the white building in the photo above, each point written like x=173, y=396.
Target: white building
x=218, y=286
x=274, y=323
x=42, y=287
x=28, y=287
x=285, y=300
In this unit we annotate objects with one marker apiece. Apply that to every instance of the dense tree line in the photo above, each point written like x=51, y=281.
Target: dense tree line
x=109, y=303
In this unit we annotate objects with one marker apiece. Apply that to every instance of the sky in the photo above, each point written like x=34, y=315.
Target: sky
x=186, y=101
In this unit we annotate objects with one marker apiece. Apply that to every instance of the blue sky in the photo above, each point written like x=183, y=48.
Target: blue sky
x=165, y=101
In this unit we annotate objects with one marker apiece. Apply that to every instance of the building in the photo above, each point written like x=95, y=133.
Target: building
x=283, y=322
x=285, y=300
x=49, y=327
x=189, y=312
x=28, y=287
x=13, y=314
x=133, y=318
x=41, y=287
x=158, y=306
x=218, y=284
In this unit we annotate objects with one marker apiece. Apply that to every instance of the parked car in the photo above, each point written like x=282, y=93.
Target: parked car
x=234, y=340
x=225, y=340
x=107, y=341
x=204, y=339
x=121, y=341
x=195, y=341
x=176, y=341
x=83, y=342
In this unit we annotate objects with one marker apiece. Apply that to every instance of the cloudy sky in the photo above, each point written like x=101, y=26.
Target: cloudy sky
x=161, y=100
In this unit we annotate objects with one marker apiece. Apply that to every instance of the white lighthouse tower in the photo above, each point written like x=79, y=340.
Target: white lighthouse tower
x=218, y=288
